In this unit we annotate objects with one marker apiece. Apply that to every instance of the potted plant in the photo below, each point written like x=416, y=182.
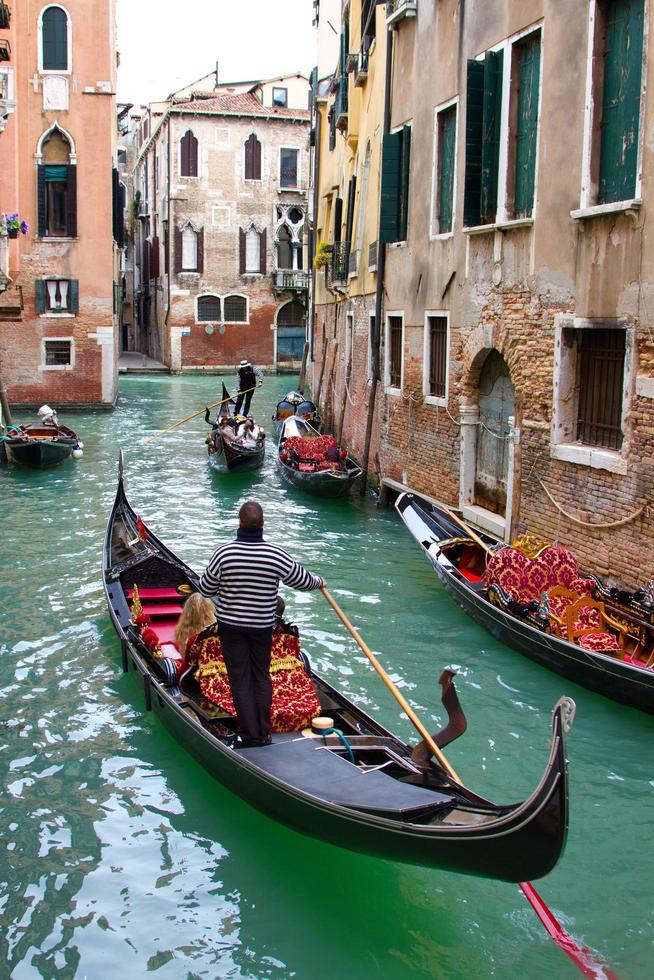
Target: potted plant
x=323, y=257
x=5, y=15
x=11, y=225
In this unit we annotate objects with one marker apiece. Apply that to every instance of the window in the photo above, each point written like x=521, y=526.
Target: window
x=54, y=40
x=189, y=250
x=57, y=353
x=188, y=146
x=252, y=158
x=288, y=168
x=483, y=118
x=396, y=165
x=280, y=97
x=371, y=343
x=208, y=308
x=445, y=169
x=57, y=189
x=436, y=349
x=250, y=244
x=236, y=309
x=601, y=377
x=394, y=338
x=284, y=248
x=56, y=296
x=526, y=59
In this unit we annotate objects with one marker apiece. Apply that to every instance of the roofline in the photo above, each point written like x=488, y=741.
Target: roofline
x=245, y=81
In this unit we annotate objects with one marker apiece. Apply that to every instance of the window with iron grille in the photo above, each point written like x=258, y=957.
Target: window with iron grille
x=58, y=353
x=288, y=168
x=236, y=309
x=394, y=354
x=208, y=308
x=436, y=356
x=601, y=359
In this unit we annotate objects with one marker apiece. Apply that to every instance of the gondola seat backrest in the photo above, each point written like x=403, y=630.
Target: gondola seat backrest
x=526, y=579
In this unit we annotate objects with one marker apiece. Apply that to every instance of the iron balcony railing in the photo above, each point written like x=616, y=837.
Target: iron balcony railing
x=397, y=9
x=290, y=279
x=339, y=264
x=361, y=67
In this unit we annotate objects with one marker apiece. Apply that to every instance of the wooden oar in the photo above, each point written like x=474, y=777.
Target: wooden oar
x=188, y=418
x=464, y=527
x=581, y=956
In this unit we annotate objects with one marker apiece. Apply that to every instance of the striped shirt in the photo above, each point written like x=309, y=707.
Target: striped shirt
x=244, y=575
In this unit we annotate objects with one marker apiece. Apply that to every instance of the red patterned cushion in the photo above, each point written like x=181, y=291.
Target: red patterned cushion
x=599, y=642
x=588, y=617
x=560, y=564
x=527, y=578
x=582, y=586
x=508, y=568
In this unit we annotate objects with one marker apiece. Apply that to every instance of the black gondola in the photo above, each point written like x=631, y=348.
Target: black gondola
x=228, y=452
x=525, y=629
x=38, y=445
x=294, y=403
x=304, y=474
x=392, y=802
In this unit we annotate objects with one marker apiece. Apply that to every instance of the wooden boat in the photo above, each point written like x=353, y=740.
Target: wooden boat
x=233, y=454
x=625, y=674
x=39, y=445
x=329, y=481
x=383, y=802
x=294, y=403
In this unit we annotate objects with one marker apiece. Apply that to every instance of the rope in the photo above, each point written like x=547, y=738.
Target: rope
x=605, y=524
x=336, y=731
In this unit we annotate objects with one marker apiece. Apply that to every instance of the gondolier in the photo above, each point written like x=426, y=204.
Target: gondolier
x=248, y=378
x=244, y=575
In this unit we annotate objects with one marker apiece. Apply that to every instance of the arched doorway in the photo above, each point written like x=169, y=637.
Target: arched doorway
x=291, y=333
x=496, y=409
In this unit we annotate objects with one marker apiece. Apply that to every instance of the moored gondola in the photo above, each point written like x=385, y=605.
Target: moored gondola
x=320, y=470
x=364, y=789
x=294, y=403
x=547, y=610
x=236, y=443
x=38, y=445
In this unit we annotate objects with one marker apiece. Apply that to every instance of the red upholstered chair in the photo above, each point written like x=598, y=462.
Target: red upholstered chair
x=509, y=568
x=559, y=599
x=560, y=565
x=593, y=637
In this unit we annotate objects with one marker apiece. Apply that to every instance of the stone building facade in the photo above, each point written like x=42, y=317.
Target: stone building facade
x=220, y=210
x=516, y=359
x=58, y=337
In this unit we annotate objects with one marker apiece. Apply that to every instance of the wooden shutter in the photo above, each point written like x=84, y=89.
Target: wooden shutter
x=474, y=116
x=39, y=296
x=338, y=220
x=405, y=170
x=527, y=125
x=193, y=156
x=349, y=220
x=262, y=252
x=55, y=39
x=154, y=258
x=621, y=101
x=446, y=167
x=73, y=295
x=390, y=185
x=178, y=250
x=490, y=147
x=200, y=250
x=183, y=159
x=41, y=201
x=241, y=250
x=256, y=159
x=249, y=155
x=71, y=202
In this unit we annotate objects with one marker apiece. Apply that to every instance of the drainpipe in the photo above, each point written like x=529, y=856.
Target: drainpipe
x=171, y=230
x=381, y=264
x=316, y=177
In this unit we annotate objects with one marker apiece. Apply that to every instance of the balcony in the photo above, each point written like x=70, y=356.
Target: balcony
x=341, y=105
x=372, y=257
x=337, y=271
x=398, y=9
x=361, y=67
x=294, y=279
x=5, y=49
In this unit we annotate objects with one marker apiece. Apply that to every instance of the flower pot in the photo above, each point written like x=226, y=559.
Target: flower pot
x=12, y=232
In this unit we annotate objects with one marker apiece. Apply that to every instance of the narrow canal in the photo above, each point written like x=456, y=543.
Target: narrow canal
x=121, y=854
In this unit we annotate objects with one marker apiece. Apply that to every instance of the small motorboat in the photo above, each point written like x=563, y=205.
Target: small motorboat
x=236, y=443
x=43, y=443
x=544, y=607
x=362, y=787
x=294, y=403
x=312, y=461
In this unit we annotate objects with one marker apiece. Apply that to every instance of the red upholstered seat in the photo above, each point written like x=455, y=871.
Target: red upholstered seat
x=599, y=642
x=162, y=611
x=527, y=578
x=154, y=593
x=471, y=576
x=165, y=629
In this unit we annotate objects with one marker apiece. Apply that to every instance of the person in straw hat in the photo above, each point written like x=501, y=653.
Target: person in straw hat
x=248, y=377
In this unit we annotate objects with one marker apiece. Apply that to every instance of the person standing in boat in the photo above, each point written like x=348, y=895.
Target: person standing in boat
x=248, y=377
x=244, y=575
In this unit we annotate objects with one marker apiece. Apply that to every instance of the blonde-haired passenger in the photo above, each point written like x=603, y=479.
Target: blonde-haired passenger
x=198, y=613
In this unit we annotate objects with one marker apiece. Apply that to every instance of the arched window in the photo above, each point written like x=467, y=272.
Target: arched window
x=252, y=250
x=56, y=187
x=188, y=165
x=284, y=248
x=189, y=249
x=291, y=315
x=252, y=158
x=54, y=39
x=236, y=309
x=208, y=308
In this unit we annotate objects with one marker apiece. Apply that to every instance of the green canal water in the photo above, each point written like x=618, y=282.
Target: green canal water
x=122, y=856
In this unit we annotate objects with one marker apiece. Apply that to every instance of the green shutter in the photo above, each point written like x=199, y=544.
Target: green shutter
x=474, y=117
x=446, y=165
x=39, y=295
x=490, y=146
x=405, y=172
x=390, y=188
x=55, y=39
x=41, y=200
x=73, y=297
x=527, y=126
x=621, y=101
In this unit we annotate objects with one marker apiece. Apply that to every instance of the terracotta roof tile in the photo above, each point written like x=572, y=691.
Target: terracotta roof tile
x=237, y=105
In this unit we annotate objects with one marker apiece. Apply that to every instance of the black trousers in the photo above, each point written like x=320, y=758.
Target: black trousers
x=247, y=658
x=239, y=402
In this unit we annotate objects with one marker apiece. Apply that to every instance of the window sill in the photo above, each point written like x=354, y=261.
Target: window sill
x=479, y=229
x=599, y=459
x=397, y=244
x=441, y=236
x=615, y=207
x=56, y=316
x=515, y=223
x=289, y=190
x=435, y=400
x=56, y=367
x=56, y=239
x=393, y=392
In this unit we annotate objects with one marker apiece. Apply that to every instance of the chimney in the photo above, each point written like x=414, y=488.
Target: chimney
x=216, y=85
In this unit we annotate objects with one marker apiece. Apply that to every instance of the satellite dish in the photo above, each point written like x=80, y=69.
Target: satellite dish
x=221, y=328
x=209, y=328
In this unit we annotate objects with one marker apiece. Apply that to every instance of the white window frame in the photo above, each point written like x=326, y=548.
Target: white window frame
x=58, y=367
x=247, y=309
x=211, y=296
x=257, y=271
x=279, y=88
x=371, y=317
x=215, y=208
x=189, y=227
x=69, y=39
x=51, y=314
x=180, y=175
x=394, y=392
x=298, y=185
x=434, y=233
x=435, y=399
